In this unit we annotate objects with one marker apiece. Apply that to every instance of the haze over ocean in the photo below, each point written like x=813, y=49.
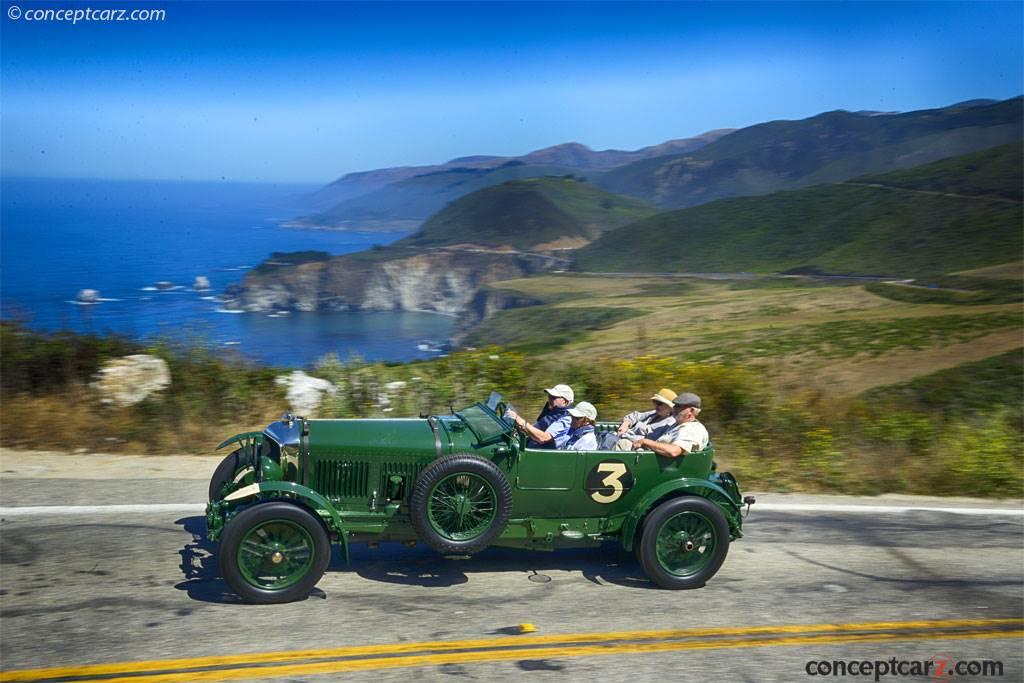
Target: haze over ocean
x=121, y=237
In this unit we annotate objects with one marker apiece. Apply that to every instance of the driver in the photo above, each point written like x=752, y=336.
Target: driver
x=551, y=430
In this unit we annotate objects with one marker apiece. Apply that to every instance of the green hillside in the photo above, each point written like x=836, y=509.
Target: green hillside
x=860, y=228
x=526, y=213
x=989, y=173
x=419, y=197
x=830, y=147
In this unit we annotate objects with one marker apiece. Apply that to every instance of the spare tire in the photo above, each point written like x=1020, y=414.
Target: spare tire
x=460, y=503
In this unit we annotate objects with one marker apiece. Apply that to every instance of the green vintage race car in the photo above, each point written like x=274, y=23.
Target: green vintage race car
x=459, y=483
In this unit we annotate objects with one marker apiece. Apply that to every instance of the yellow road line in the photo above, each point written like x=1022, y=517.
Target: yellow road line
x=345, y=666
x=492, y=649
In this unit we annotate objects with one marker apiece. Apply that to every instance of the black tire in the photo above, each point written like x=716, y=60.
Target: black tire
x=485, y=508
x=225, y=472
x=694, y=538
x=262, y=527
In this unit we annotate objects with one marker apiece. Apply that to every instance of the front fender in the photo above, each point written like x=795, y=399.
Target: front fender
x=670, y=489
x=244, y=438
x=314, y=500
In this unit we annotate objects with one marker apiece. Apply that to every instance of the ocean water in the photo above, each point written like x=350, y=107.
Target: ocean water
x=58, y=237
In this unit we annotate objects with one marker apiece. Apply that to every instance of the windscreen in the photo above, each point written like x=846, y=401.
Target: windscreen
x=484, y=423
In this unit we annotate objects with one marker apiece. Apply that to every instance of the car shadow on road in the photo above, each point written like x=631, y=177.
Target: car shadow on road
x=199, y=565
x=420, y=566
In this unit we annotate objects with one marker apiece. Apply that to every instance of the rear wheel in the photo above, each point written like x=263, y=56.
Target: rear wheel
x=684, y=542
x=274, y=552
x=460, y=504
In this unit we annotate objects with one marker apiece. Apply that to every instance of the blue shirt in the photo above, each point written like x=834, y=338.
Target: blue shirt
x=556, y=423
x=582, y=439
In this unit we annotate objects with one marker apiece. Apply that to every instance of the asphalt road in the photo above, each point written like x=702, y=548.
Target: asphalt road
x=86, y=589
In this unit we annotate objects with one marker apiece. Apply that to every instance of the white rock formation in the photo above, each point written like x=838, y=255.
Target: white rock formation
x=128, y=380
x=201, y=284
x=305, y=393
x=88, y=296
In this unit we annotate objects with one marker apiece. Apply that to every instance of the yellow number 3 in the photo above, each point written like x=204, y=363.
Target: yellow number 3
x=617, y=470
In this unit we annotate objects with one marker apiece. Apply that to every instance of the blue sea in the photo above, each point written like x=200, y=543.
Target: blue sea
x=58, y=237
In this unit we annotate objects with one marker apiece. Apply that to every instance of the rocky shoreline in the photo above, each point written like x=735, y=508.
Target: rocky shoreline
x=446, y=280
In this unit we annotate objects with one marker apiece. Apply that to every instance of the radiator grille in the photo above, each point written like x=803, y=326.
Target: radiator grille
x=408, y=470
x=345, y=479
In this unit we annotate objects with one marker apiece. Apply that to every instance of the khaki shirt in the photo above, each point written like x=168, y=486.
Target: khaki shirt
x=647, y=423
x=690, y=436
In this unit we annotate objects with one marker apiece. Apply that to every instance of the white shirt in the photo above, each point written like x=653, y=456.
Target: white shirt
x=690, y=436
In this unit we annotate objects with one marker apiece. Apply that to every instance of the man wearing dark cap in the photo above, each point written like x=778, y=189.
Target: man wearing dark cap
x=688, y=434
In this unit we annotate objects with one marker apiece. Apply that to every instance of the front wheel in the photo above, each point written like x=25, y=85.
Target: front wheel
x=274, y=552
x=684, y=542
x=234, y=470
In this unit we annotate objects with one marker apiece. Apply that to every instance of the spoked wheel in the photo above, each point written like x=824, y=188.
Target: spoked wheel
x=460, y=503
x=684, y=543
x=462, y=506
x=274, y=552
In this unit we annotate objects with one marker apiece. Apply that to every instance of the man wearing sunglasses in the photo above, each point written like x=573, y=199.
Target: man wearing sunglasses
x=688, y=434
x=551, y=430
x=650, y=423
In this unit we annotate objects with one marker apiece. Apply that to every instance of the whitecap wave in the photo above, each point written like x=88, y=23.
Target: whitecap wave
x=229, y=310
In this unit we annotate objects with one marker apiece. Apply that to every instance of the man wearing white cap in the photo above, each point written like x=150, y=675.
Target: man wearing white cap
x=581, y=432
x=551, y=430
x=650, y=423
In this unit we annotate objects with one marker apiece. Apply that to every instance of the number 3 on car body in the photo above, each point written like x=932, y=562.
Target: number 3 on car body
x=609, y=474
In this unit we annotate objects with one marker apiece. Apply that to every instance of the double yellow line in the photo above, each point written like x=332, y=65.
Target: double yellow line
x=404, y=655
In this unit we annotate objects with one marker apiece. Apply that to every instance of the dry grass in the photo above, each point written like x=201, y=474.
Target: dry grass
x=1005, y=271
x=710, y=317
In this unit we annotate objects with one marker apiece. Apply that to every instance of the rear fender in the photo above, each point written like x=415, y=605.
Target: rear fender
x=681, y=487
x=310, y=498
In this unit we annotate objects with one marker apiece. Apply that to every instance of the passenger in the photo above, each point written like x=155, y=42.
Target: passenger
x=551, y=430
x=581, y=434
x=649, y=423
x=688, y=435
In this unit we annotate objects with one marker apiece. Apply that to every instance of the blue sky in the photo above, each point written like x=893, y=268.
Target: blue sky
x=309, y=91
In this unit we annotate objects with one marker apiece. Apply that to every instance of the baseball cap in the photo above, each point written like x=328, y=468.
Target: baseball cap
x=664, y=396
x=584, y=409
x=686, y=400
x=562, y=390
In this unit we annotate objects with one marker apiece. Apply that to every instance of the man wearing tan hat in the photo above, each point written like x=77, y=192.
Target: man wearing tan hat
x=688, y=434
x=650, y=423
x=551, y=430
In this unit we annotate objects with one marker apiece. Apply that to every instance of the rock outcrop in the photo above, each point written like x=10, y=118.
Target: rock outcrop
x=442, y=280
x=305, y=393
x=132, y=379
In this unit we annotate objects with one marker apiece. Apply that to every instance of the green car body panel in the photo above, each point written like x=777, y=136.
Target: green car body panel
x=357, y=477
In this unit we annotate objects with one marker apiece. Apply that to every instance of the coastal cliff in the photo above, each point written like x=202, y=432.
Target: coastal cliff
x=441, y=280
